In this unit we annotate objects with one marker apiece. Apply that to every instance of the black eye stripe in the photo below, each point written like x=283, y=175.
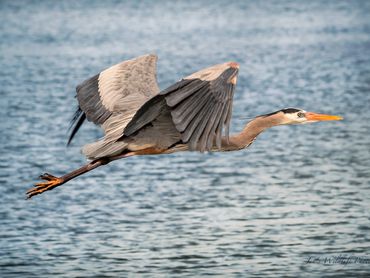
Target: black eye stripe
x=286, y=111
x=290, y=110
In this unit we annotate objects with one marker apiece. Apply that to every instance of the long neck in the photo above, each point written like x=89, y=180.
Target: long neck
x=249, y=133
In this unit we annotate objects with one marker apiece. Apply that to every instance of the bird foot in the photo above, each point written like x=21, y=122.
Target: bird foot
x=50, y=183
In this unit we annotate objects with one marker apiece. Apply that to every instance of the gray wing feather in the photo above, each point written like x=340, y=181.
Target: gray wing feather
x=90, y=102
x=111, y=99
x=220, y=126
x=202, y=108
x=195, y=121
x=187, y=110
x=121, y=89
x=229, y=113
x=199, y=105
x=194, y=142
x=207, y=136
x=179, y=95
x=146, y=114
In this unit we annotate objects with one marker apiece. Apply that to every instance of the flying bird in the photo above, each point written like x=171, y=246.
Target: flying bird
x=138, y=119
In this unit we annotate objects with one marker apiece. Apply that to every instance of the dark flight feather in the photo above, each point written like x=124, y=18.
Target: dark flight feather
x=147, y=113
x=90, y=101
x=201, y=108
x=110, y=98
x=78, y=119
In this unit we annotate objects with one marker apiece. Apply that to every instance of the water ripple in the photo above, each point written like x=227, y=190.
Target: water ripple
x=297, y=192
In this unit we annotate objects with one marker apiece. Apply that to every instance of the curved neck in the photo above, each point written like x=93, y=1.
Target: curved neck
x=249, y=133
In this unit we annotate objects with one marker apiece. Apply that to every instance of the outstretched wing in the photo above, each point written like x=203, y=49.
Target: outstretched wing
x=112, y=97
x=200, y=106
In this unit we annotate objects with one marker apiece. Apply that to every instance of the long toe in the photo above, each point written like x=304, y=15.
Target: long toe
x=50, y=183
x=47, y=176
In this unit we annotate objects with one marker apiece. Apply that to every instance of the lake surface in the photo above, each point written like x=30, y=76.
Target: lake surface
x=298, y=192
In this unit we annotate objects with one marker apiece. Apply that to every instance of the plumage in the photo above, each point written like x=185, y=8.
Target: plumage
x=111, y=98
x=189, y=114
x=78, y=119
x=174, y=97
x=191, y=106
x=194, y=105
x=146, y=114
x=137, y=119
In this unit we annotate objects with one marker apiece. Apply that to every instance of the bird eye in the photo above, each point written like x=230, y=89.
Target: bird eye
x=300, y=115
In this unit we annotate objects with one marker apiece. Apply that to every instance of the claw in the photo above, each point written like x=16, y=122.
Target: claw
x=47, y=176
x=50, y=183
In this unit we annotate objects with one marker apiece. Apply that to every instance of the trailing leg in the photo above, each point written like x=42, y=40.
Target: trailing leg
x=51, y=181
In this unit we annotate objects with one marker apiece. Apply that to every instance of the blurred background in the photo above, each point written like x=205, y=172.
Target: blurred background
x=297, y=192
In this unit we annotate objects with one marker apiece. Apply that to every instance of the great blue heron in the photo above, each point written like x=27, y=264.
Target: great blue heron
x=138, y=119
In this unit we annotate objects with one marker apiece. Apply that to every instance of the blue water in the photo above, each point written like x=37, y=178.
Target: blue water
x=298, y=191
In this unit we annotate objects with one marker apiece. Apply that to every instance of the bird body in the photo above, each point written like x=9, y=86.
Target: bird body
x=126, y=102
x=137, y=118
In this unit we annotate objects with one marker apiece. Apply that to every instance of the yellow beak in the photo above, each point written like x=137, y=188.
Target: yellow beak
x=322, y=117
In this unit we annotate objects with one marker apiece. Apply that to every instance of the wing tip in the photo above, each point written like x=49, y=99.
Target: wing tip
x=76, y=123
x=151, y=56
x=233, y=65
x=213, y=72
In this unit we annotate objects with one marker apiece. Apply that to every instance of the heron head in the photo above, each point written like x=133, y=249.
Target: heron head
x=299, y=116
